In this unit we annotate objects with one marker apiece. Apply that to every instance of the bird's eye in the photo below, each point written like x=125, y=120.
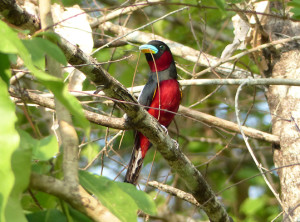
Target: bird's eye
x=162, y=47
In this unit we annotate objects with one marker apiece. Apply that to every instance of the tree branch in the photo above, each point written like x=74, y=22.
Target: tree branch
x=147, y=125
x=14, y=14
x=122, y=11
x=76, y=196
x=67, y=131
x=175, y=192
x=120, y=123
x=108, y=121
x=178, y=49
x=225, y=124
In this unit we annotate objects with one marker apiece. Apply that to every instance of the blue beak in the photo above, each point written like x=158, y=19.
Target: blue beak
x=148, y=49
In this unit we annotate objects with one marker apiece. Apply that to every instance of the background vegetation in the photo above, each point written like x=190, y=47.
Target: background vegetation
x=29, y=136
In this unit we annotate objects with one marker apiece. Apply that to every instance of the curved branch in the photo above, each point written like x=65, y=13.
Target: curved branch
x=76, y=196
x=175, y=192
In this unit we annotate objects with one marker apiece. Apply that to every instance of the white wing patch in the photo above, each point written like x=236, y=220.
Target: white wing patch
x=138, y=157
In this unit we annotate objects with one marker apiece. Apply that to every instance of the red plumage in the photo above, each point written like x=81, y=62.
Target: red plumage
x=161, y=95
x=170, y=97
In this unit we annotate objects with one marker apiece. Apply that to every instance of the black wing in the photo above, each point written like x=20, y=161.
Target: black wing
x=148, y=92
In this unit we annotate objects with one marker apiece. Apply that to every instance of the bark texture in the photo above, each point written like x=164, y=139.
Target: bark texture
x=284, y=103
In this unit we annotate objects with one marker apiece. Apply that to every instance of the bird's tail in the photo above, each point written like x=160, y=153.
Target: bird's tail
x=134, y=166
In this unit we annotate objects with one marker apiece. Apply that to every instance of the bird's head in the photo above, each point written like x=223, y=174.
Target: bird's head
x=161, y=54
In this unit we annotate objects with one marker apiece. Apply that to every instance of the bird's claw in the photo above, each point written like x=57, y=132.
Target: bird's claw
x=176, y=143
x=165, y=129
x=98, y=89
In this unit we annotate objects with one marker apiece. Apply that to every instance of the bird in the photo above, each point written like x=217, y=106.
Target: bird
x=161, y=92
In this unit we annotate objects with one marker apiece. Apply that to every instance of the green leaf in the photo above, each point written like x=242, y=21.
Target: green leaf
x=37, y=54
x=5, y=73
x=142, y=200
x=43, y=149
x=54, y=84
x=9, y=142
x=21, y=164
x=51, y=36
x=251, y=206
x=47, y=216
x=294, y=3
x=220, y=4
x=78, y=216
x=46, y=148
x=39, y=47
x=296, y=12
x=295, y=8
x=110, y=195
x=45, y=201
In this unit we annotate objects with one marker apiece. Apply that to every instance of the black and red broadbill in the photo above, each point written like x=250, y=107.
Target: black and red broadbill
x=162, y=92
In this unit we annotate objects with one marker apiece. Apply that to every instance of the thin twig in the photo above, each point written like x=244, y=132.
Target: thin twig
x=142, y=27
x=175, y=192
x=238, y=56
x=104, y=148
x=250, y=149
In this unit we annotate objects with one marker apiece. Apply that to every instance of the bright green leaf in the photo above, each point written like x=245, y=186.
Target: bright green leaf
x=46, y=149
x=21, y=164
x=54, y=84
x=39, y=47
x=251, y=206
x=51, y=36
x=110, y=195
x=9, y=142
x=142, y=200
x=37, y=54
x=43, y=149
x=220, y=4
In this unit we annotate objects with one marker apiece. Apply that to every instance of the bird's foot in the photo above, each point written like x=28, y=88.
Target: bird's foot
x=126, y=118
x=176, y=143
x=98, y=89
x=165, y=129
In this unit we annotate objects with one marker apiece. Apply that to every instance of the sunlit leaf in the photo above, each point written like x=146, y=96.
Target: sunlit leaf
x=251, y=206
x=54, y=84
x=21, y=164
x=142, y=200
x=39, y=47
x=9, y=142
x=43, y=149
x=110, y=195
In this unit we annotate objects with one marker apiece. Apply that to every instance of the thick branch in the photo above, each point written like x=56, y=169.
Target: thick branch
x=67, y=131
x=14, y=14
x=76, y=196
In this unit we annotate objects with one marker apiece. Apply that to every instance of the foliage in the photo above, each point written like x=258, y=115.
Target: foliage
x=295, y=4
x=27, y=142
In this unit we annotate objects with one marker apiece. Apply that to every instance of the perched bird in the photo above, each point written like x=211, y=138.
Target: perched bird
x=162, y=91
